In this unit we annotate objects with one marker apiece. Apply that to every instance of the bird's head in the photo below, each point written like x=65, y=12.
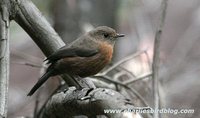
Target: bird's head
x=104, y=33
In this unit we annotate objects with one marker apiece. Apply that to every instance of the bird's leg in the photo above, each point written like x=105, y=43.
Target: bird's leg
x=77, y=80
x=83, y=83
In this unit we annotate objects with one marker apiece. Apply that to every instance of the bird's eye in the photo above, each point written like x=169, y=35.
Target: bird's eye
x=105, y=35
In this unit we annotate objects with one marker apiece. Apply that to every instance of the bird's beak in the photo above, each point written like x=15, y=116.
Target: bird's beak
x=119, y=35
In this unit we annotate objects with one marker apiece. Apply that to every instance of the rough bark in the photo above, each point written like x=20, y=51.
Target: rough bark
x=4, y=56
x=86, y=102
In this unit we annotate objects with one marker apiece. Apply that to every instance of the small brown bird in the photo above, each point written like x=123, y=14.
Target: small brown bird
x=84, y=57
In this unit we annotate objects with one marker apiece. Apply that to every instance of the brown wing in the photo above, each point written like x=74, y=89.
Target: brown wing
x=70, y=52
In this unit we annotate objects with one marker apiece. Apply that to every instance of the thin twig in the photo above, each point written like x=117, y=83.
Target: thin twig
x=116, y=78
x=155, y=65
x=102, y=84
x=4, y=57
x=115, y=81
x=137, y=79
x=127, y=71
x=137, y=95
x=118, y=75
x=29, y=64
x=148, y=58
x=122, y=61
x=26, y=56
x=108, y=79
x=134, y=92
x=125, y=86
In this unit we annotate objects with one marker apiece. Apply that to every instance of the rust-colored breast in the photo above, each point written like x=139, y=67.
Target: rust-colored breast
x=87, y=66
x=106, y=51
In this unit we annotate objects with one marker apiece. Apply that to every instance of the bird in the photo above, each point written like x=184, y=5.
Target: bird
x=84, y=57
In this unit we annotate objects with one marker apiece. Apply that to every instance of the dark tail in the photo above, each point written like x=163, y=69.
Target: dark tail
x=40, y=82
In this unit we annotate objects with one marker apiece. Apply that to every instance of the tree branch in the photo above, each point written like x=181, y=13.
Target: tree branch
x=85, y=102
x=33, y=22
x=156, y=60
x=128, y=82
x=4, y=56
x=107, y=78
x=122, y=61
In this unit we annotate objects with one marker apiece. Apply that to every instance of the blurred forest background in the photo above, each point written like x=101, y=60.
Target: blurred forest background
x=138, y=20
